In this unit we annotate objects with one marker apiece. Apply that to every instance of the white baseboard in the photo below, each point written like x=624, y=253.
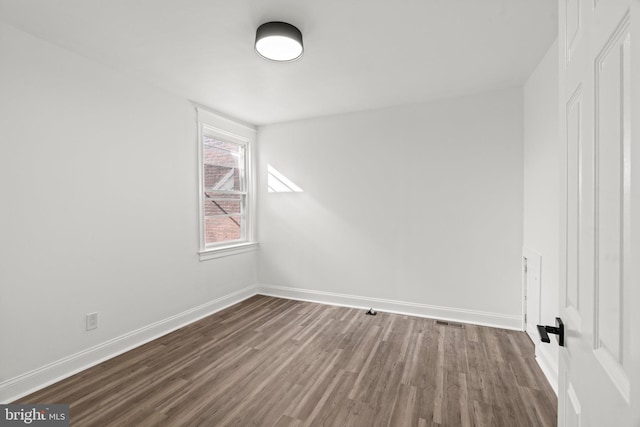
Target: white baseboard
x=29, y=382
x=400, y=307
x=549, y=368
x=36, y=379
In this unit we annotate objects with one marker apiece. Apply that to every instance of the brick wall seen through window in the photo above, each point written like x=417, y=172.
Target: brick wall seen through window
x=224, y=190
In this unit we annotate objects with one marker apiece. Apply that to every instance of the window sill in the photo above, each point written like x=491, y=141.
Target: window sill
x=223, y=251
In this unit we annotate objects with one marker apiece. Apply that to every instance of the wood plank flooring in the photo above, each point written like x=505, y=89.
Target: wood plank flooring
x=277, y=362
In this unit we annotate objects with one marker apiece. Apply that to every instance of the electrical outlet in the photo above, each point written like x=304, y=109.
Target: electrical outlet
x=92, y=321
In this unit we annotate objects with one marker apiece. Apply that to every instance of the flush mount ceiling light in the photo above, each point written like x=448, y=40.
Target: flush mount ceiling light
x=279, y=41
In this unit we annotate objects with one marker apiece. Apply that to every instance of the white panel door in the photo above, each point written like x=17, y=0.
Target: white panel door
x=596, y=367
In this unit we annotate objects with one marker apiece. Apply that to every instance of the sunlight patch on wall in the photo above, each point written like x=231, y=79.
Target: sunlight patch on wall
x=278, y=183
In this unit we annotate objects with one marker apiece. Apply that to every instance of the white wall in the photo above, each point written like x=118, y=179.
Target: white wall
x=419, y=206
x=541, y=192
x=98, y=176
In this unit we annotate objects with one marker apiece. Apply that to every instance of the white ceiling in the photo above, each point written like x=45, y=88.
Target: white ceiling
x=359, y=54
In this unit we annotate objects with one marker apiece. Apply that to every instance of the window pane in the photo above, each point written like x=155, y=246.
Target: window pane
x=216, y=205
x=222, y=153
x=223, y=165
x=222, y=178
x=222, y=228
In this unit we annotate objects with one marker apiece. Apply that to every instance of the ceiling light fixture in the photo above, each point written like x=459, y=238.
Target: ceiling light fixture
x=279, y=41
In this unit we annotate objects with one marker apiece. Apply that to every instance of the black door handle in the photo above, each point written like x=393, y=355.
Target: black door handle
x=544, y=332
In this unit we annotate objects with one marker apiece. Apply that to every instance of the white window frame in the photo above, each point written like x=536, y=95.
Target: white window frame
x=224, y=129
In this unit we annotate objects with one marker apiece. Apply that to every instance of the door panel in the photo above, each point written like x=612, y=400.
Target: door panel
x=612, y=124
x=572, y=414
x=574, y=150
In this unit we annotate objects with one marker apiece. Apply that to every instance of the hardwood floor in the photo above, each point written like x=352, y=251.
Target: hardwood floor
x=276, y=362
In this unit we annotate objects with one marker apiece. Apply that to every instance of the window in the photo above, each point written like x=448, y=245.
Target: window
x=226, y=199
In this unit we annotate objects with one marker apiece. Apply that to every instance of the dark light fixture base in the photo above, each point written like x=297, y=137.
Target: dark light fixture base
x=279, y=41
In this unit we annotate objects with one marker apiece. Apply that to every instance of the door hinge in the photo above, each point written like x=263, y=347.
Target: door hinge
x=525, y=318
